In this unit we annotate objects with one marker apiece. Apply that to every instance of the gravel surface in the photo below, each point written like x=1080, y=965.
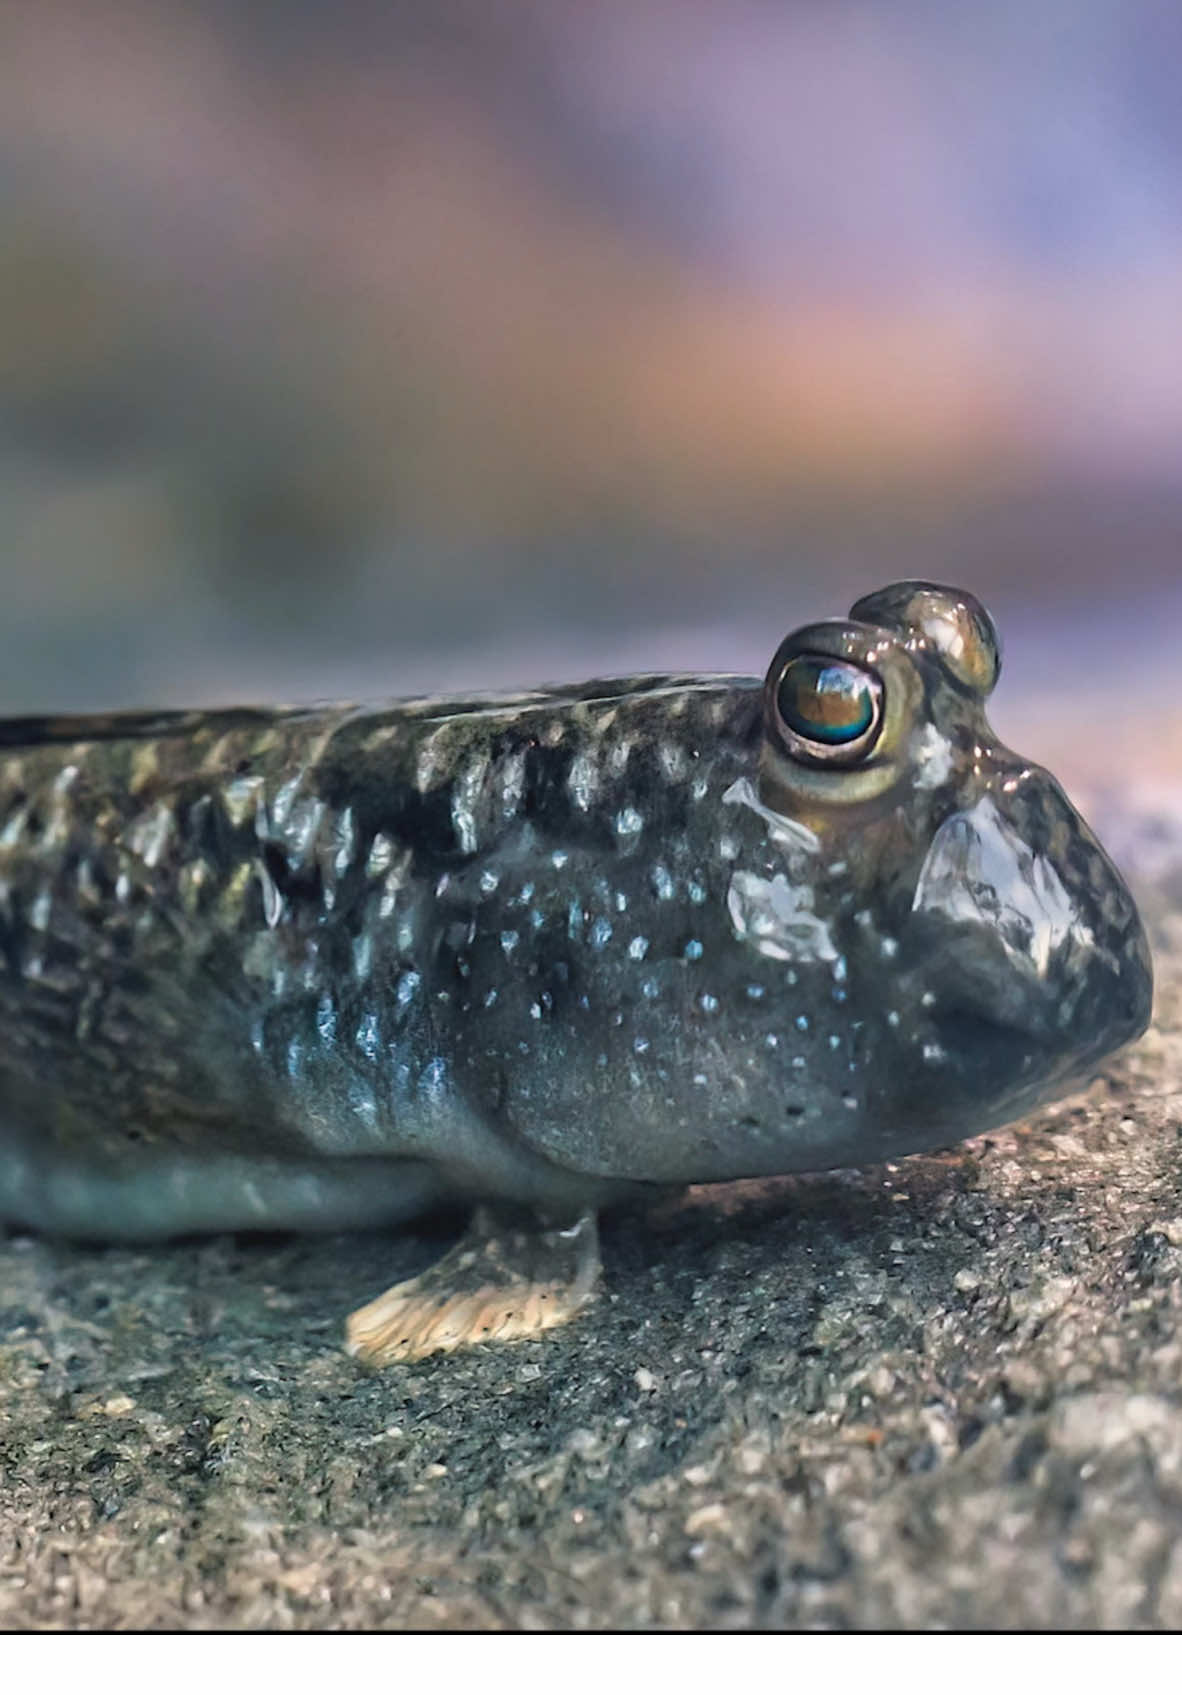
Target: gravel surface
x=946, y=1393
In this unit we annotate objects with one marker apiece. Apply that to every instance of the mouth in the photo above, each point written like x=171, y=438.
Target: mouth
x=979, y=1039
x=1009, y=1069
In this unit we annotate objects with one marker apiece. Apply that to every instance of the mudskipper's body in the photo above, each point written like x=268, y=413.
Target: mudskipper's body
x=334, y=966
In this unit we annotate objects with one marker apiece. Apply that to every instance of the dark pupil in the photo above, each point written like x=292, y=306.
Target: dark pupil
x=826, y=701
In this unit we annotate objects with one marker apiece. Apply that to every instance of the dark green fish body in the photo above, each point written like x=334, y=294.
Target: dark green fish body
x=313, y=967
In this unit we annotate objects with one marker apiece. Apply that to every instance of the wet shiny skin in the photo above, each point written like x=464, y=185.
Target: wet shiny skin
x=311, y=967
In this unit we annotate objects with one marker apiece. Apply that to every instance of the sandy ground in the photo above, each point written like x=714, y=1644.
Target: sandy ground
x=939, y=1394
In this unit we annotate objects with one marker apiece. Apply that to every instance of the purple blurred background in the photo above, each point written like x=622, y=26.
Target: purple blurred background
x=369, y=347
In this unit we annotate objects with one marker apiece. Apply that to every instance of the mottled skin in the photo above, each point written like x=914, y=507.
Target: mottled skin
x=312, y=967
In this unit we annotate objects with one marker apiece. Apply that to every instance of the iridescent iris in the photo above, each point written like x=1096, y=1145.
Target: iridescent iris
x=827, y=701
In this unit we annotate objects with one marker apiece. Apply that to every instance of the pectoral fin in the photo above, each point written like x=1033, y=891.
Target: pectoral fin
x=495, y=1285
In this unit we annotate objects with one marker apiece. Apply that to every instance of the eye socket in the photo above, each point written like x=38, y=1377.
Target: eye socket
x=829, y=710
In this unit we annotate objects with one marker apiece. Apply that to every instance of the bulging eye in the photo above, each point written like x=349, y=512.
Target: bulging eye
x=949, y=624
x=830, y=710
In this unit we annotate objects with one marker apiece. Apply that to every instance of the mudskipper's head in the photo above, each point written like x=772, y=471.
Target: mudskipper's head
x=988, y=952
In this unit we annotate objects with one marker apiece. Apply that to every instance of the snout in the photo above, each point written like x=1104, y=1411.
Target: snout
x=1036, y=958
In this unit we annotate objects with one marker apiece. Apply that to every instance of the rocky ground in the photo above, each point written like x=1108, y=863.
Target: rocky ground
x=946, y=1393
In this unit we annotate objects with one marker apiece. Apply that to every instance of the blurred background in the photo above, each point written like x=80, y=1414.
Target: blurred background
x=369, y=347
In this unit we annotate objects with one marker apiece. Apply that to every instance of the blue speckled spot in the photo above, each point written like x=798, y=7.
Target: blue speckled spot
x=361, y=1099
x=368, y=1036
x=326, y=1020
x=434, y=1083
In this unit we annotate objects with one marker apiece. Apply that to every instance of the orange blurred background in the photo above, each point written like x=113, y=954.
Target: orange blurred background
x=365, y=348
